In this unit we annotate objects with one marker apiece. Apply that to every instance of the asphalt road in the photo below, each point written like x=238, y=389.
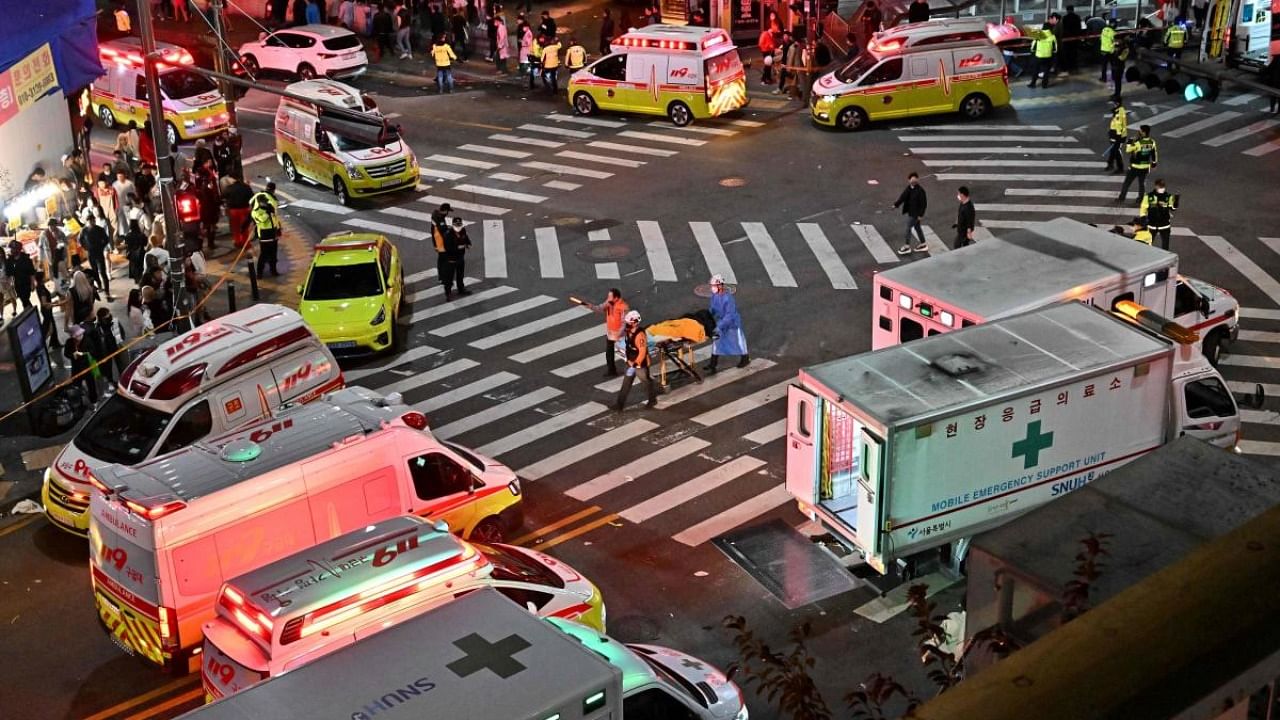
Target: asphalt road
x=797, y=217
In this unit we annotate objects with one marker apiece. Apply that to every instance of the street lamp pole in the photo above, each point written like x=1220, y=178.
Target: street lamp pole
x=220, y=61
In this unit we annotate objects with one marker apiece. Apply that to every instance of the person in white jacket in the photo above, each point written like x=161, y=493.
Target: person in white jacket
x=503, y=50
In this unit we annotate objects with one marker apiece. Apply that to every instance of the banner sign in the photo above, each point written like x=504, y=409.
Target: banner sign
x=28, y=80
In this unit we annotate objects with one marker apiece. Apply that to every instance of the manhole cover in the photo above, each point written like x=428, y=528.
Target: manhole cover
x=733, y=182
x=608, y=251
x=704, y=290
x=633, y=628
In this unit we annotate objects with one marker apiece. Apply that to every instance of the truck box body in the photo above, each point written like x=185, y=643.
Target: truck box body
x=907, y=448
x=480, y=657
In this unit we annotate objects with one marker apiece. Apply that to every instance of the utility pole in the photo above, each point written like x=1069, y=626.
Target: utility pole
x=220, y=62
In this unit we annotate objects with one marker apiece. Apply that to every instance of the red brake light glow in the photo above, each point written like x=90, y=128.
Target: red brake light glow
x=94, y=481
x=415, y=420
x=179, y=383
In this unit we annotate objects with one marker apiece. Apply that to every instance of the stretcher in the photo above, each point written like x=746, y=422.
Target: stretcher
x=674, y=341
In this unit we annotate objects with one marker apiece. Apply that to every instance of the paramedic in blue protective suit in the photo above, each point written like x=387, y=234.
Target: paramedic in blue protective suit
x=729, y=337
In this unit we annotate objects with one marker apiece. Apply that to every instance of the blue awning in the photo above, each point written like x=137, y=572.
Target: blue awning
x=69, y=26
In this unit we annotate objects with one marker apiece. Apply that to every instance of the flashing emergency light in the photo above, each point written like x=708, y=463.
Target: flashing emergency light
x=1202, y=89
x=188, y=208
x=1148, y=319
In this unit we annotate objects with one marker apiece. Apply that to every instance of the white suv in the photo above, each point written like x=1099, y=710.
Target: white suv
x=310, y=51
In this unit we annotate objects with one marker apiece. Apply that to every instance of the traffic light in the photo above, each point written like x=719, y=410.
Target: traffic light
x=188, y=208
x=1202, y=89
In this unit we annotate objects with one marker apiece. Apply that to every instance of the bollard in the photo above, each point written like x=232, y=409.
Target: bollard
x=231, y=297
x=253, y=282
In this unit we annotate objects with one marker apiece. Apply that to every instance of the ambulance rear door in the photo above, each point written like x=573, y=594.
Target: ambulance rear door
x=684, y=74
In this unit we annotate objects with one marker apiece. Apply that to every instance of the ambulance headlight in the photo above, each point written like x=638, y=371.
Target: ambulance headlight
x=352, y=171
x=828, y=99
x=188, y=123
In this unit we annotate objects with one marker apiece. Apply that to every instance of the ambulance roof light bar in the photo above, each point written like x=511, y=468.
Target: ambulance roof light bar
x=1157, y=323
x=169, y=56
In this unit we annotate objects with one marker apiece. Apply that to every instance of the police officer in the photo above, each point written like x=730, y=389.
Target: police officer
x=1143, y=155
x=1175, y=38
x=1107, y=46
x=1043, y=48
x=637, y=350
x=1157, y=207
x=265, y=213
x=440, y=240
x=456, y=243
x=1117, y=133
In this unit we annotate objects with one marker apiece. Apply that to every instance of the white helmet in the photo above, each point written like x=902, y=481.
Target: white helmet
x=717, y=279
x=631, y=317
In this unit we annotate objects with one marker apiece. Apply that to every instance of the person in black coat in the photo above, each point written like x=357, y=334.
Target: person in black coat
x=110, y=335
x=80, y=353
x=918, y=11
x=95, y=241
x=966, y=218
x=19, y=267
x=913, y=202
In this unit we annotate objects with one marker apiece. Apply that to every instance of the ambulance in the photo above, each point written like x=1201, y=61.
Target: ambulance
x=939, y=66
x=336, y=138
x=206, y=382
x=313, y=603
x=193, y=106
x=679, y=71
x=166, y=534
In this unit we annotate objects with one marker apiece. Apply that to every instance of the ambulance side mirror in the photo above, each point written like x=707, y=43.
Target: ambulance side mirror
x=1204, y=306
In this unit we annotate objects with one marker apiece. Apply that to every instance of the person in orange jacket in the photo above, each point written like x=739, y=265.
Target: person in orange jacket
x=614, y=309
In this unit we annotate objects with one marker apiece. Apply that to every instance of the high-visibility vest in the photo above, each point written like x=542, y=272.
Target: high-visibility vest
x=263, y=210
x=443, y=55
x=1157, y=208
x=575, y=57
x=1175, y=37
x=1120, y=123
x=637, y=347
x=1142, y=153
x=551, y=56
x=1142, y=235
x=1045, y=45
x=1108, y=40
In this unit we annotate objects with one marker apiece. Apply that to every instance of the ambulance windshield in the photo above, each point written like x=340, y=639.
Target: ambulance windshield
x=122, y=431
x=856, y=67
x=180, y=83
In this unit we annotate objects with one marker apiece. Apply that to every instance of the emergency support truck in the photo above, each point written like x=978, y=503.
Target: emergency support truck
x=908, y=448
x=205, y=382
x=356, y=153
x=1042, y=264
x=681, y=71
x=193, y=105
x=938, y=66
x=165, y=535
x=480, y=657
x=317, y=601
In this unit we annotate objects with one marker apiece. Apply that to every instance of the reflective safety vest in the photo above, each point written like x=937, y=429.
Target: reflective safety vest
x=1142, y=235
x=551, y=56
x=1142, y=153
x=1120, y=123
x=1108, y=40
x=263, y=211
x=1045, y=45
x=614, y=311
x=1157, y=207
x=1175, y=37
x=443, y=55
x=637, y=348
x=575, y=57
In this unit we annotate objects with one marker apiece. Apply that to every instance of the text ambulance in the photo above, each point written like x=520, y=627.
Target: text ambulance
x=167, y=533
x=683, y=72
x=193, y=106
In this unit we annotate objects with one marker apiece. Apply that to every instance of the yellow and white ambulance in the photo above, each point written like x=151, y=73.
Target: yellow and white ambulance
x=682, y=72
x=193, y=105
x=939, y=66
x=355, y=153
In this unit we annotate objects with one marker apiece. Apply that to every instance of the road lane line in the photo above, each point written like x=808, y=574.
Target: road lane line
x=837, y=273
x=1058, y=192
x=521, y=140
x=712, y=251
x=434, y=174
x=549, y=261
x=474, y=299
x=988, y=138
x=746, y=123
x=320, y=206
x=524, y=330
x=575, y=340
x=1168, y=115
x=561, y=185
x=578, y=531
x=540, y=431
x=1199, y=125
x=723, y=132
x=604, y=270
x=134, y=702
x=691, y=489
x=168, y=704
x=733, y=409
x=548, y=529
x=420, y=276
x=1244, y=132
x=638, y=468
x=779, y=274
x=1265, y=148
x=483, y=318
x=491, y=150
x=495, y=249
x=416, y=352
x=1260, y=336
x=1259, y=313
x=966, y=126
x=578, y=367
x=508, y=177
x=1244, y=265
x=1243, y=99
x=428, y=377
x=1013, y=163
x=596, y=122
x=464, y=205
x=465, y=162
x=18, y=525
x=1001, y=151
x=562, y=132
x=775, y=430
x=387, y=228
x=655, y=249
x=496, y=412
x=1252, y=361
x=875, y=244
x=733, y=517
x=1256, y=447
x=1047, y=177
x=637, y=149
x=470, y=390
x=567, y=170
x=932, y=241
x=588, y=448
x=602, y=159
x=659, y=137
x=1060, y=209
x=499, y=193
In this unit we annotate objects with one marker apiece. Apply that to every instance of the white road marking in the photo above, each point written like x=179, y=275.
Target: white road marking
x=428, y=377
x=692, y=489
x=496, y=412
x=712, y=251
x=334, y=208
x=495, y=249
x=258, y=158
x=524, y=330
x=540, y=431
x=1245, y=266
x=561, y=185
x=746, y=404
x=484, y=318
x=837, y=273
x=1252, y=361
x=1265, y=148
x=645, y=464
x=637, y=149
x=1199, y=125
x=597, y=122
x=1001, y=151
x=567, y=170
x=1057, y=192
x=407, y=213
x=508, y=177
x=1047, y=177
x=419, y=276
x=464, y=205
x=499, y=193
x=465, y=162
x=723, y=132
x=655, y=249
x=521, y=140
x=1256, y=447
x=988, y=138
x=491, y=150
x=470, y=390
x=474, y=299
x=1127, y=212
x=1168, y=115
x=387, y=228
x=775, y=430
x=746, y=511
x=434, y=174
x=658, y=137
x=416, y=352
x=576, y=368
x=966, y=126
x=548, y=252
x=1243, y=99
x=602, y=159
x=552, y=130
x=578, y=339
x=1259, y=127
x=1259, y=313
x=604, y=270
x=779, y=274
x=1014, y=163
x=583, y=450
x=745, y=123
x=933, y=242
x=876, y=244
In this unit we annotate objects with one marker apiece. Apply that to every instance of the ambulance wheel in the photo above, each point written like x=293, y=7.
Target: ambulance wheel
x=250, y=65
x=488, y=530
x=306, y=72
x=680, y=114
x=170, y=134
x=340, y=189
x=108, y=118
x=975, y=106
x=290, y=170
x=1213, y=347
x=584, y=104
x=852, y=119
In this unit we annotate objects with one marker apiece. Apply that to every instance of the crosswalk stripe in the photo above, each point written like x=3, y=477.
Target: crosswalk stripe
x=491, y=150
x=428, y=377
x=567, y=170
x=562, y=132
x=1259, y=313
x=498, y=193
x=988, y=138
x=733, y=409
x=1260, y=336
x=483, y=318
x=746, y=123
x=723, y=132
x=932, y=241
x=602, y=159
x=508, y=177
x=691, y=489
x=320, y=206
x=578, y=367
x=604, y=270
x=583, y=450
x=692, y=389
x=578, y=339
x=497, y=412
x=1059, y=209
x=1260, y=417
x=470, y=390
x=875, y=244
x=637, y=149
x=1014, y=177
x=637, y=468
x=495, y=249
x=837, y=273
x=540, y=431
x=613, y=384
x=464, y=205
x=1244, y=132
x=712, y=251
x=1243, y=99
x=1252, y=361
x=416, y=352
x=733, y=517
x=981, y=233
x=526, y=329
x=1199, y=125
x=767, y=434
x=1256, y=447
x=779, y=274
x=437, y=174
x=597, y=122
x=966, y=127
x=659, y=137
x=427, y=292
x=1014, y=163
x=1168, y=115
x=548, y=252
x=521, y=140
x=1003, y=225
x=1058, y=192
x=1265, y=148
x=1246, y=388
x=465, y=162
x=419, y=276
x=1001, y=151
x=387, y=228
x=1244, y=265
x=447, y=307
x=561, y=185
x=655, y=249
x=407, y=213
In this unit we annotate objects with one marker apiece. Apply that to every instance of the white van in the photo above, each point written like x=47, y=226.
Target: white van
x=166, y=534
x=193, y=105
x=215, y=378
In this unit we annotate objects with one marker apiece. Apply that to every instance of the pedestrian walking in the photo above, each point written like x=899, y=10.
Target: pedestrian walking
x=112, y=337
x=636, y=347
x=966, y=218
x=1117, y=134
x=614, y=309
x=1107, y=47
x=606, y=33
x=440, y=241
x=1271, y=77
x=913, y=202
x=83, y=297
x=729, y=338
x=265, y=212
x=1072, y=30
x=551, y=65
x=83, y=365
x=1157, y=207
x=49, y=301
x=94, y=240
x=501, y=48
x=1043, y=48
x=443, y=56
x=236, y=196
x=384, y=32
x=768, y=45
x=1143, y=155
x=1175, y=38
x=22, y=270
x=456, y=244
x=404, y=29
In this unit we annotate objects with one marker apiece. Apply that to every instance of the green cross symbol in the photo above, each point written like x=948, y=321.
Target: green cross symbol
x=1030, y=446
